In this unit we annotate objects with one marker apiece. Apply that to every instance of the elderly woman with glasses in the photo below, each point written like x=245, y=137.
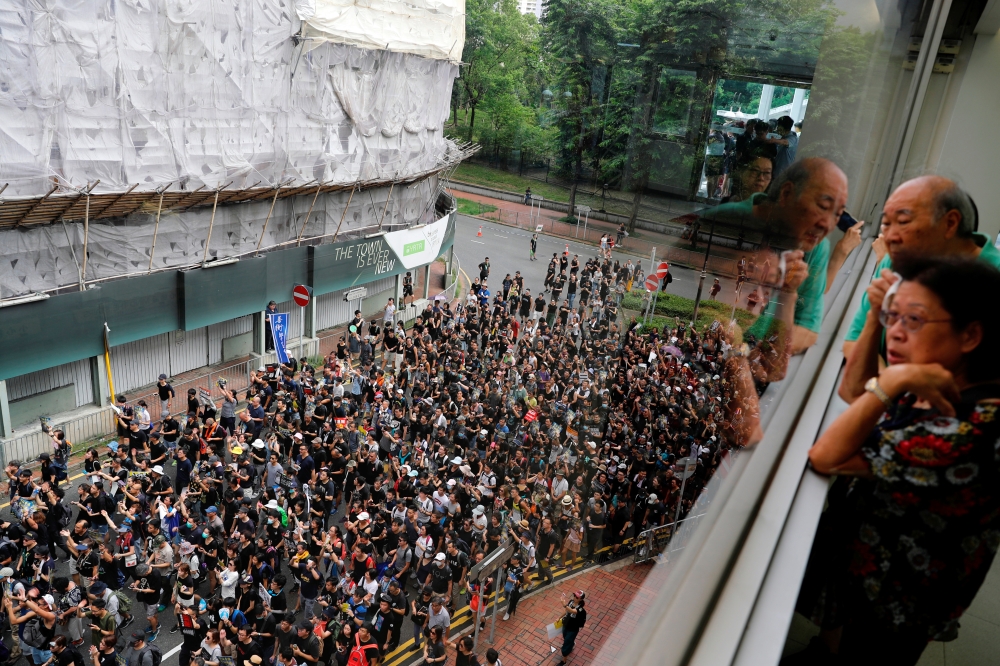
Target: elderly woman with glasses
x=901, y=554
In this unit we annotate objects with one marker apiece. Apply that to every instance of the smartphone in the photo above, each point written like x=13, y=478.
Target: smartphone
x=846, y=221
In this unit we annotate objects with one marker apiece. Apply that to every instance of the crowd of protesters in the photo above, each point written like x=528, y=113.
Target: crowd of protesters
x=342, y=509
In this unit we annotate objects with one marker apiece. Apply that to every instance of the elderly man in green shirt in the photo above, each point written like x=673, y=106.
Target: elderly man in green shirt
x=925, y=216
x=799, y=210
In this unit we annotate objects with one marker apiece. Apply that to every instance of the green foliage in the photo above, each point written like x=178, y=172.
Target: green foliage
x=501, y=56
x=845, y=61
x=481, y=175
x=670, y=306
x=578, y=36
x=470, y=207
x=606, y=84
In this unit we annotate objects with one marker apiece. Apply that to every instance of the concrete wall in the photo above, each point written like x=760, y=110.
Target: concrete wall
x=969, y=150
x=53, y=401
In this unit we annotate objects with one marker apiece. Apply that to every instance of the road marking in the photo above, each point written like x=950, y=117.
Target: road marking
x=171, y=652
x=72, y=478
x=480, y=242
x=462, y=617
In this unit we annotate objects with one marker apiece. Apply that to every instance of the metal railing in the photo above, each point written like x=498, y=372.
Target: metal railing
x=99, y=425
x=83, y=428
x=237, y=379
x=650, y=543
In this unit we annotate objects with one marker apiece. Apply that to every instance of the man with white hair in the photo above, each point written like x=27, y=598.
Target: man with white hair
x=925, y=216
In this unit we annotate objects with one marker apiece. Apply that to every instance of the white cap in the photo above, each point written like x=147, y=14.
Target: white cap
x=451, y=483
x=261, y=369
x=158, y=469
x=272, y=504
x=258, y=444
x=440, y=557
x=363, y=515
x=297, y=435
x=652, y=498
x=456, y=461
x=49, y=600
x=479, y=510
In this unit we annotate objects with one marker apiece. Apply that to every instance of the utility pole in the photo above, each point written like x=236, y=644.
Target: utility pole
x=704, y=274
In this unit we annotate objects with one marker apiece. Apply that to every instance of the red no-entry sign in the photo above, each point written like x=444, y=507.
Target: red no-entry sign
x=662, y=269
x=653, y=282
x=301, y=294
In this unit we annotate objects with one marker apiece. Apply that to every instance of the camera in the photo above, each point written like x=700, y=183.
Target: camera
x=221, y=383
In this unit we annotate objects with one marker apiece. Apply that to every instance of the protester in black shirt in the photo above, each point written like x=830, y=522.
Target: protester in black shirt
x=384, y=623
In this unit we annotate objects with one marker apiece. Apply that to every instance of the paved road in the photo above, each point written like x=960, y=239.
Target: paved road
x=168, y=643
x=508, y=252
x=507, y=248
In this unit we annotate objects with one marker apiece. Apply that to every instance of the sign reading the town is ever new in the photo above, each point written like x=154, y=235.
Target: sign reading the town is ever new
x=378, y=256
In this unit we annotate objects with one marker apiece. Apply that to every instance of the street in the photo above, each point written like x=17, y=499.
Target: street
x=507, y=247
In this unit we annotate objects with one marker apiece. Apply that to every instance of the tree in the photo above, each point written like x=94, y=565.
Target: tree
x=500, y=44
x=578, y=36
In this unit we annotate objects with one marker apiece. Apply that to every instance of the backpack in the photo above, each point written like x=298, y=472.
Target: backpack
x=58, y=471
x=157, y=656
x=357, y=657
x=66, y=517
x=237, y=618
x=124, y=603
x=33, y=635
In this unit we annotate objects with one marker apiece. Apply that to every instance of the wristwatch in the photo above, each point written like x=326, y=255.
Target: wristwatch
x=873, y=387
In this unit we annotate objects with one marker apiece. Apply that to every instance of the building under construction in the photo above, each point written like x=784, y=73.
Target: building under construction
x=170, y=167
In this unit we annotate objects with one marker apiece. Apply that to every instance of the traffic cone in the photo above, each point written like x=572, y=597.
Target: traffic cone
x=566, y=251
x=480, y=230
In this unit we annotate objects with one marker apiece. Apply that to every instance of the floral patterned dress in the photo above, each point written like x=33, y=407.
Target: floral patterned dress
x=915, y=543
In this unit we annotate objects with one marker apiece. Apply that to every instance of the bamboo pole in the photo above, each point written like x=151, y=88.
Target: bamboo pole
x=298, y=240
x=156, y=229
x=343, y=215
x=211, y=223
x=387, y=200
x=274, y=200
x=86, y=237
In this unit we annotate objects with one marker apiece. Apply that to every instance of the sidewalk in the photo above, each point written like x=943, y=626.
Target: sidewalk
x=206, y=375
x=520, y=215
x=616, y=601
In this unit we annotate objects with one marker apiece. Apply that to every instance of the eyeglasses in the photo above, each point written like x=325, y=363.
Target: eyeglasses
x=911, y=323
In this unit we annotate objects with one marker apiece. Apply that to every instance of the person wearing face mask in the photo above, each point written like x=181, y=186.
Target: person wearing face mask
x=209, y=550
x=440, y=577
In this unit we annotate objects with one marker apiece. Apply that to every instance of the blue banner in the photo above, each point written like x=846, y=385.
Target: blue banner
x=279, y=330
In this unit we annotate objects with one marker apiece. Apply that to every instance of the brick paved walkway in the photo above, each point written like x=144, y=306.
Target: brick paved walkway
x=617, y=597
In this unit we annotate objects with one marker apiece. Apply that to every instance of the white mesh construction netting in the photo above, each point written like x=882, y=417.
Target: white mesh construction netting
x=206, y=92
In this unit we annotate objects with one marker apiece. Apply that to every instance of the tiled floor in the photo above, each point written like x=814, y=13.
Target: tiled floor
x=978, y=642
x=611, y=621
